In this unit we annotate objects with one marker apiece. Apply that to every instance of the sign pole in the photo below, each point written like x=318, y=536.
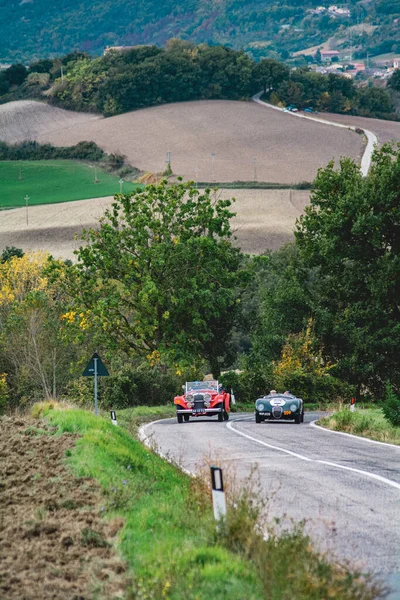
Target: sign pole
x=96, y=408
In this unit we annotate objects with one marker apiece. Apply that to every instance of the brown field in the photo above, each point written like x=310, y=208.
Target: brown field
x=54, y=545
x=385, y=131
x=265, y=220
x=243, y=136
x=28, y=120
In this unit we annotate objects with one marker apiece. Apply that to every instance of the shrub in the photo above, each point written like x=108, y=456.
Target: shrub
x=391, y=406
x=3, y=392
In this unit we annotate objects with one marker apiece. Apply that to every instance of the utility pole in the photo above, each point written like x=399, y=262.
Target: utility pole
x=26, y=204
x=212, y=166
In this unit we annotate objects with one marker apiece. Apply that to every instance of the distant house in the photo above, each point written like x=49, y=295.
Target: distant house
x=329, y=54
x=396, y=63
x=118, y=49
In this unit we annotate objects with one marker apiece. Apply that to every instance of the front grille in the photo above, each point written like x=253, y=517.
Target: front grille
x=198, y=403
x=277, y=412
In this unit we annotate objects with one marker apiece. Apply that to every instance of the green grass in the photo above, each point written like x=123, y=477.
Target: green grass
x=368, y=422
x=48, y=181
x=167, y=535
x=169, y=539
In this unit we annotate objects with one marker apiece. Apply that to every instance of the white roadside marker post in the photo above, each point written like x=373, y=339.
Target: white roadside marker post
x=218, y=494
x=353, y=405
x=113, y=417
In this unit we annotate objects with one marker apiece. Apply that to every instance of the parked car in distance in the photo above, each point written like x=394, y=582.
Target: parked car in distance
x=291, y=108
x=203, y=399
x=310, y=110
x=274, y=406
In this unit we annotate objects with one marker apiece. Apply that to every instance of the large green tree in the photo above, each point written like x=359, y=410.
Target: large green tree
x=159, y=277
x=351, y=235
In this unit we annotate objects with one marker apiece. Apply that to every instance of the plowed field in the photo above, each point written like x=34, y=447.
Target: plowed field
x=217, y=140
x=265, y=220
x=28, y=120
x=53, y=542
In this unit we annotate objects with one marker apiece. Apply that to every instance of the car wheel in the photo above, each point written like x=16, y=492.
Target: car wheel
x=186, y=417
x=302, y=417
x=226, y=416
x=297, y=419
x=220, y=416
x=258, y=418
x=180, y=418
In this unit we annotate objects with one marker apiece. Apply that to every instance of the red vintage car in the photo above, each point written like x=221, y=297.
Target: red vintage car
x=203, y=399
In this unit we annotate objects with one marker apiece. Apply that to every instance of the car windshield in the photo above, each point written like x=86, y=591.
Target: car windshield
x=191, y=386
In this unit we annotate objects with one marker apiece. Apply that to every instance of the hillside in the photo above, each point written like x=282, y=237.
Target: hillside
x=34, y=29
x=247, y=141
x=27, y=120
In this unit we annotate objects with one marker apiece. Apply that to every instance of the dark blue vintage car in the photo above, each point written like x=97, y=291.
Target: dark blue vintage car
x=276, y=406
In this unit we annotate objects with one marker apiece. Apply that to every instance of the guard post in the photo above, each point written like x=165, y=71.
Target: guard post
x=113, y=417
x=353, y=405
x=218, y=494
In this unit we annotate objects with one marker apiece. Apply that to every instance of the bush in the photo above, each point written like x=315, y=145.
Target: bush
x=248, y=385
x=391, y=406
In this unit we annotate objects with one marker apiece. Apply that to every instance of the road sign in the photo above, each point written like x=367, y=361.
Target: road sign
x=90, y=369
x=95, y=369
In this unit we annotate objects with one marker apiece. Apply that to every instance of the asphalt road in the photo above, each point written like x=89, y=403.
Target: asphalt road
x=348, y=489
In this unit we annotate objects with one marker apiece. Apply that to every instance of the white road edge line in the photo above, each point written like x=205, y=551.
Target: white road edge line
x=379, y=478
x=144, y=438
x=371, y=137
x=357, y=437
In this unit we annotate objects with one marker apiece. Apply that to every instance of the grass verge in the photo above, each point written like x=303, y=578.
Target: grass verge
x=369, y=423
x=256, y=185
x=49, y=181
x=169, y=539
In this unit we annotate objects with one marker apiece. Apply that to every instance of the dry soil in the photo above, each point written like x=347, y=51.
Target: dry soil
x=54, y=545
x=265, y=220
x=216, y=140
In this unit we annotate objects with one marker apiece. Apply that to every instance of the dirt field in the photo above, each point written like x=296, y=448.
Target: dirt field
x=53, y=543
x=245, y=139
x=265, y=220
x=384, y=130
x=28, y=120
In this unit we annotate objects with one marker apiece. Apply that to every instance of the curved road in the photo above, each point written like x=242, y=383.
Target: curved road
x=347, y=488
x=372, y=140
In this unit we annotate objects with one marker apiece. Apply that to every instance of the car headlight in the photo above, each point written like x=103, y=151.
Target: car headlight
x=260, y=407
x=293, y=407
x=189, y=398
x=189, y=404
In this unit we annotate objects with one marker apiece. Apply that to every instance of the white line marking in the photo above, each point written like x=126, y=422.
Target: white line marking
x=371, y=137
x=357, y=437
x=389, y=482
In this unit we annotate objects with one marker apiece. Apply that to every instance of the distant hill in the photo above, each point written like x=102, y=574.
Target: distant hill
x=31, y=29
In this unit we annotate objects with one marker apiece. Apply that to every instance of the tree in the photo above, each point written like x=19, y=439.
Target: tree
x=159, y=277
x=269, y=73
x=11, y=251
x=16, y=74
x=351, y=235
x=394, y=81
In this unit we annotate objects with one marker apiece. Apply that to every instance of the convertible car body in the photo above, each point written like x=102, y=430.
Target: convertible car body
x=202, y=399
x=279, y=406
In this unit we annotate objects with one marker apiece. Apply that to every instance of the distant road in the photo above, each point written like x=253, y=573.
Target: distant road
x=371, y=137
x=348, y=488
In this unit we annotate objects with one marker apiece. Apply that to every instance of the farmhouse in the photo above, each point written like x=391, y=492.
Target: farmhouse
x=329, y=54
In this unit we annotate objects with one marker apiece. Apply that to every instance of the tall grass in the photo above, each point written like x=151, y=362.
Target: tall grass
x=169, y=539
x=369, y=423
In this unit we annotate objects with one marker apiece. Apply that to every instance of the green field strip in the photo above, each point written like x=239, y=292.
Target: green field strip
x=51, y=181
